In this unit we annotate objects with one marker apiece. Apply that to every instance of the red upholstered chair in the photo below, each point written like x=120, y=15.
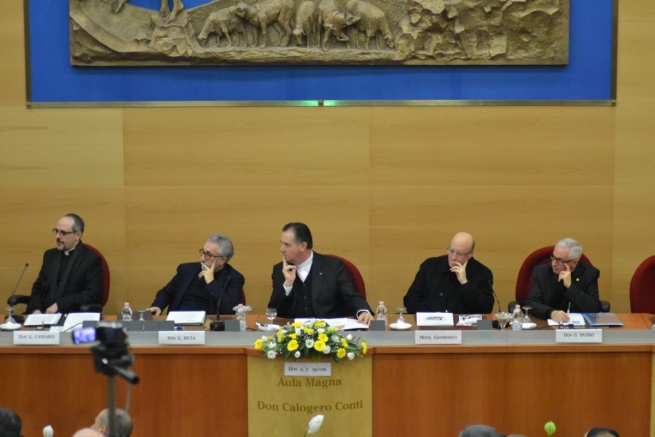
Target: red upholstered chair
x=106, y=283
x=524, y=279
x=642, y=287
x=354, y=272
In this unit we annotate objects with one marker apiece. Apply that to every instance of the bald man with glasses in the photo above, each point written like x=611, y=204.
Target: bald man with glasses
x=71, y=275
x=210, y=285
x=455, y=282
x=566, y=284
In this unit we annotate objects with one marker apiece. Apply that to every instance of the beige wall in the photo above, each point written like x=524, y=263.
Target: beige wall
x=384, y=187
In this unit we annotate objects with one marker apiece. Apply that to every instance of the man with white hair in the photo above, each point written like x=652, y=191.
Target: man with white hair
x=122, y=426
x=565, y=285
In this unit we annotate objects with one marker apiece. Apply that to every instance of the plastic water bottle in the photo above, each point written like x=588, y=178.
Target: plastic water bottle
x=381, y=312
x=126, y=314
x=241, y=317
x=517, y=319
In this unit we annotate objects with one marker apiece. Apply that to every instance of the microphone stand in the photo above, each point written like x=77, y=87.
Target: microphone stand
x=10, y=320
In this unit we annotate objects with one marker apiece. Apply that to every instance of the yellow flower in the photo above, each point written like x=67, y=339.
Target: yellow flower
x=296, y=324
x=309, y=331
x=323, y=338
x=280, y=337
x=344, y=342
x=364, y=347
x=331, y=330
x=341, y=353
x=293, y=336
x=258, y=343
x=319, y=323
x=319, y=345
x=293, y=345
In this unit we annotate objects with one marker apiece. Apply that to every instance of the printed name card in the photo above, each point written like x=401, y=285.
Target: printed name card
x=36, y=337
x=438, y=337
x=181, y=337
x=307, y=369
x=579, y=336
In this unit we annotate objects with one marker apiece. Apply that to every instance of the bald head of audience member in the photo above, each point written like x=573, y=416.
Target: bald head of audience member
x=480, y=431
x=10, y=423
x=87, y=432
x=601, y=432
x=123, y=425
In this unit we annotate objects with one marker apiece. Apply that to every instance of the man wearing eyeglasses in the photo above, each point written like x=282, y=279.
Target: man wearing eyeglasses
x=565, y=285
x=71, y=275
x=210, y=285
x=455, y=282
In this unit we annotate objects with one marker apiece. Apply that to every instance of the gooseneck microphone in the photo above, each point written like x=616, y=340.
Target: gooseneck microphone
x=494, y=293
x=17, y=284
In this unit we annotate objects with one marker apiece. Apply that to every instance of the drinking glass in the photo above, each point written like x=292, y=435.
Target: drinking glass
x=141, y=311
x=526, y=318
x=10, y=316
x=271, y=313
x=503, y=318
x=401, y=319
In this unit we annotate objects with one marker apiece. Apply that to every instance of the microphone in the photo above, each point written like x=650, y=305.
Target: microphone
x=494, y=293
x=10, y=300
x=218, y=325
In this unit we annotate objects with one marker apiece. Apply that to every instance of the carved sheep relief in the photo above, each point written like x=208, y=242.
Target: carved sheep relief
x=321, y=32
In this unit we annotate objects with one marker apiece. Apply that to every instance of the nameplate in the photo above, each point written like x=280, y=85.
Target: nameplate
x=307, y=369
x=181, y=338
x=438, y=337
x=35, y=337
x=579, y=336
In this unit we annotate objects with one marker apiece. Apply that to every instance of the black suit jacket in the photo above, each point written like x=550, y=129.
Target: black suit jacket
x=225, y=288
x=547, y=294
x=333, y=292
x=81, y=282
x=436, y=288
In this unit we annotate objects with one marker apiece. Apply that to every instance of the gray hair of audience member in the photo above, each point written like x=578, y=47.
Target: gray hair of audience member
x=226, y=248
x=575, y=250
x=123, y=425
x=601, y=432
x=10, y=423
x=87, y=432
x=480, y=431
x=78, y=223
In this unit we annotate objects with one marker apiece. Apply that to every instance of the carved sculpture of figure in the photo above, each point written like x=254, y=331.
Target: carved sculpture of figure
x=222, y=22
x=164, y=9
x=276, y=12
x=373, y=21
x=306, y=23
x=333, y=21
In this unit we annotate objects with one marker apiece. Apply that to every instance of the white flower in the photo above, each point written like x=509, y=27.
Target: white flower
x=351, y=355
x=265, y=338
x=326, y=349
x=298, y=331
x=314, y=424
x=271, y=345
x=309, y=343
x=297, y=354
x=349, y=337
x=335, y=338
x=271, y=355
x=320, y=330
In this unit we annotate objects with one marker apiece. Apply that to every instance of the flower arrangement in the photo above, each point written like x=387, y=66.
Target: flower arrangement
x=314, y=340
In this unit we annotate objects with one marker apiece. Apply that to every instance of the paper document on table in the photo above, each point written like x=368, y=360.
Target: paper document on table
x=469, y=319
x=42, y=319
x=76, y=320
x=187, y=317
x=341, y=323
x=575, y=319
x=434, y=319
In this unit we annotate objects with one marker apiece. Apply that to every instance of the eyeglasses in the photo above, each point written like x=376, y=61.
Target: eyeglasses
x=62, y=233
x=208, y=255
x=561, y=261
x=457, y=254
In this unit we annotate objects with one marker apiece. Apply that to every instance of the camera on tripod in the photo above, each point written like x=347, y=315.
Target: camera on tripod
x=110, y=335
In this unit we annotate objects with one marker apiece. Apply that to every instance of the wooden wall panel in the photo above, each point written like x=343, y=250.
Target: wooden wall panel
x=385, y=187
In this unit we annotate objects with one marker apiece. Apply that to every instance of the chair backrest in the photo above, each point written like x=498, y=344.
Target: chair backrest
x=642, y=287
x=106, y=278
x=524, y=279
x=354, y=273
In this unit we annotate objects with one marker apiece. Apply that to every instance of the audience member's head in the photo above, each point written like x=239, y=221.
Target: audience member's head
x=479, y=431
x=123, y=423
x=87, y=432
x=601, y=432
x=10, y=423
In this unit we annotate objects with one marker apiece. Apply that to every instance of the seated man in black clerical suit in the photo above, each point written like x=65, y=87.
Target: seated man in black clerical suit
x=71, y=275
x=308, y=284
x=210, y=285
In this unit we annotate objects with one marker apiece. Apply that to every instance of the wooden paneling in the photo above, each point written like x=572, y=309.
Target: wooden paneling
x=384, y=187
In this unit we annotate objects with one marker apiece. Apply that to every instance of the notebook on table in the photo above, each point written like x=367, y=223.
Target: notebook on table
x=602, y=319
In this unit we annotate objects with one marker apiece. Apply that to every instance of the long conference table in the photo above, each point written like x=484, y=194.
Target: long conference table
x=515, y=381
